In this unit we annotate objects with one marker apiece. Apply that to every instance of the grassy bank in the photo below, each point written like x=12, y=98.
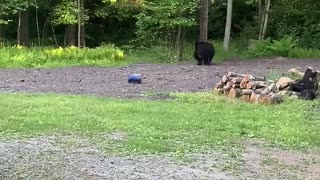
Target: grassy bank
x=188, y=122
x=110, y=55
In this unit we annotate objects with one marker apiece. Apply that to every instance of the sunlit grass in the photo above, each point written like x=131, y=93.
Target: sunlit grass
x=190, y=121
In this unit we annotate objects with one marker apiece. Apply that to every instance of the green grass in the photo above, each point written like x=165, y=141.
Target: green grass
x=105, y=56
x=298, y=52
x=189, y=122
x=22, y=57
x=108, y=55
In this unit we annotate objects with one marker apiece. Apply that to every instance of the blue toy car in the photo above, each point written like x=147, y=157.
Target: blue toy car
x=134, y=79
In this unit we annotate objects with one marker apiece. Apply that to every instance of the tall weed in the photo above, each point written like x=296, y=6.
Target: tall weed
x=19, y=56
x=280, y=47
x=298, y=52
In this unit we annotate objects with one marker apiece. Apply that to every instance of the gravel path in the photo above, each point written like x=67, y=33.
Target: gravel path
x=71, y=158
x=112, y=82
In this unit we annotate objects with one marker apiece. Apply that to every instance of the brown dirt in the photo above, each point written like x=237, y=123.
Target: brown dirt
x=75, y=157
x=156, y=79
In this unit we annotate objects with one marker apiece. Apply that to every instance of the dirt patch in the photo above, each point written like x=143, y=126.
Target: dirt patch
x=43, y=157
x=157, y=80
x=262, y=162
x=73, y=157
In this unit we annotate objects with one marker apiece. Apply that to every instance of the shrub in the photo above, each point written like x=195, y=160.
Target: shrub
x=280, y=47
x=19, y=56
x=298, y=52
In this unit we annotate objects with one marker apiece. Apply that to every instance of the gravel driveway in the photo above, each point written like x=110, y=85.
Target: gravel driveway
x=112, y=82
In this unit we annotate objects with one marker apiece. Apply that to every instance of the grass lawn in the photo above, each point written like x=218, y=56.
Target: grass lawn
x=186, y=123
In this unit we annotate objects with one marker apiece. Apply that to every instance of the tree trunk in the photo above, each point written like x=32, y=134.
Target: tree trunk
x=179, y=44
x=261, y=18
x=23, y=28
x=228, y=26
x=69, y=36
x=203, y=36
x=37, y=23
x=260, y=10
x=82, y=30
x=79, y=23
x=1, y=31
x=264, y=31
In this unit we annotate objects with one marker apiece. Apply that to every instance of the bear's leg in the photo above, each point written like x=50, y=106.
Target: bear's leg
x=200, y=60
x=207, y=61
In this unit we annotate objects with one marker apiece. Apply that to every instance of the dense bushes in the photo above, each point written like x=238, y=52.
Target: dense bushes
x=19, y=56
x=285, y=47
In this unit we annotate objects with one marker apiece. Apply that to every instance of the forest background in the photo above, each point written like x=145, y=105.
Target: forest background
x=152, y=30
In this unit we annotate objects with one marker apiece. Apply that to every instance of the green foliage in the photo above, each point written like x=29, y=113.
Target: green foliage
x=261, y=49
x=161, y=18
x=299, y=52
x=193, y=120
x=9, y=7
x=19, y=56
x=300, y=19
x=154, y=54
x=66, y=12
x=280, y=47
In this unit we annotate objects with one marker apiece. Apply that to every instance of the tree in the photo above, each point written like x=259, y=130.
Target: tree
x=264, y=10
x=228, y=26
x=23, y=28
x=79, y=23
x=204, y=6
x=166, y=20
x=9, y=7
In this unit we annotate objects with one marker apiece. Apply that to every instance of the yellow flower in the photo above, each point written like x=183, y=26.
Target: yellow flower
x=119, y=54
x=72, y=47
x=18, y=46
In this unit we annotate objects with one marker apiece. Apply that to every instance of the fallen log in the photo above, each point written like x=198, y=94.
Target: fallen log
x=243, y=83
x=253, y=98
x=271, y=99
x=236, y=86
x=255, y=84
x=254, y=78
x=234, y=74
x=258, y=91
x=228, y=86
x=234, y=93
x=269, y=89
x=220, y=85
x=225, y=79
x=284, y=82
x=236, y=80
x=246, y=91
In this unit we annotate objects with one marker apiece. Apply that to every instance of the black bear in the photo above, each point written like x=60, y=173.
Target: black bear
x=204, y=52
x=308, y=85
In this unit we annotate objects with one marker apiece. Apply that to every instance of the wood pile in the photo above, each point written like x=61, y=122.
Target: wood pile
x=256, y=89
